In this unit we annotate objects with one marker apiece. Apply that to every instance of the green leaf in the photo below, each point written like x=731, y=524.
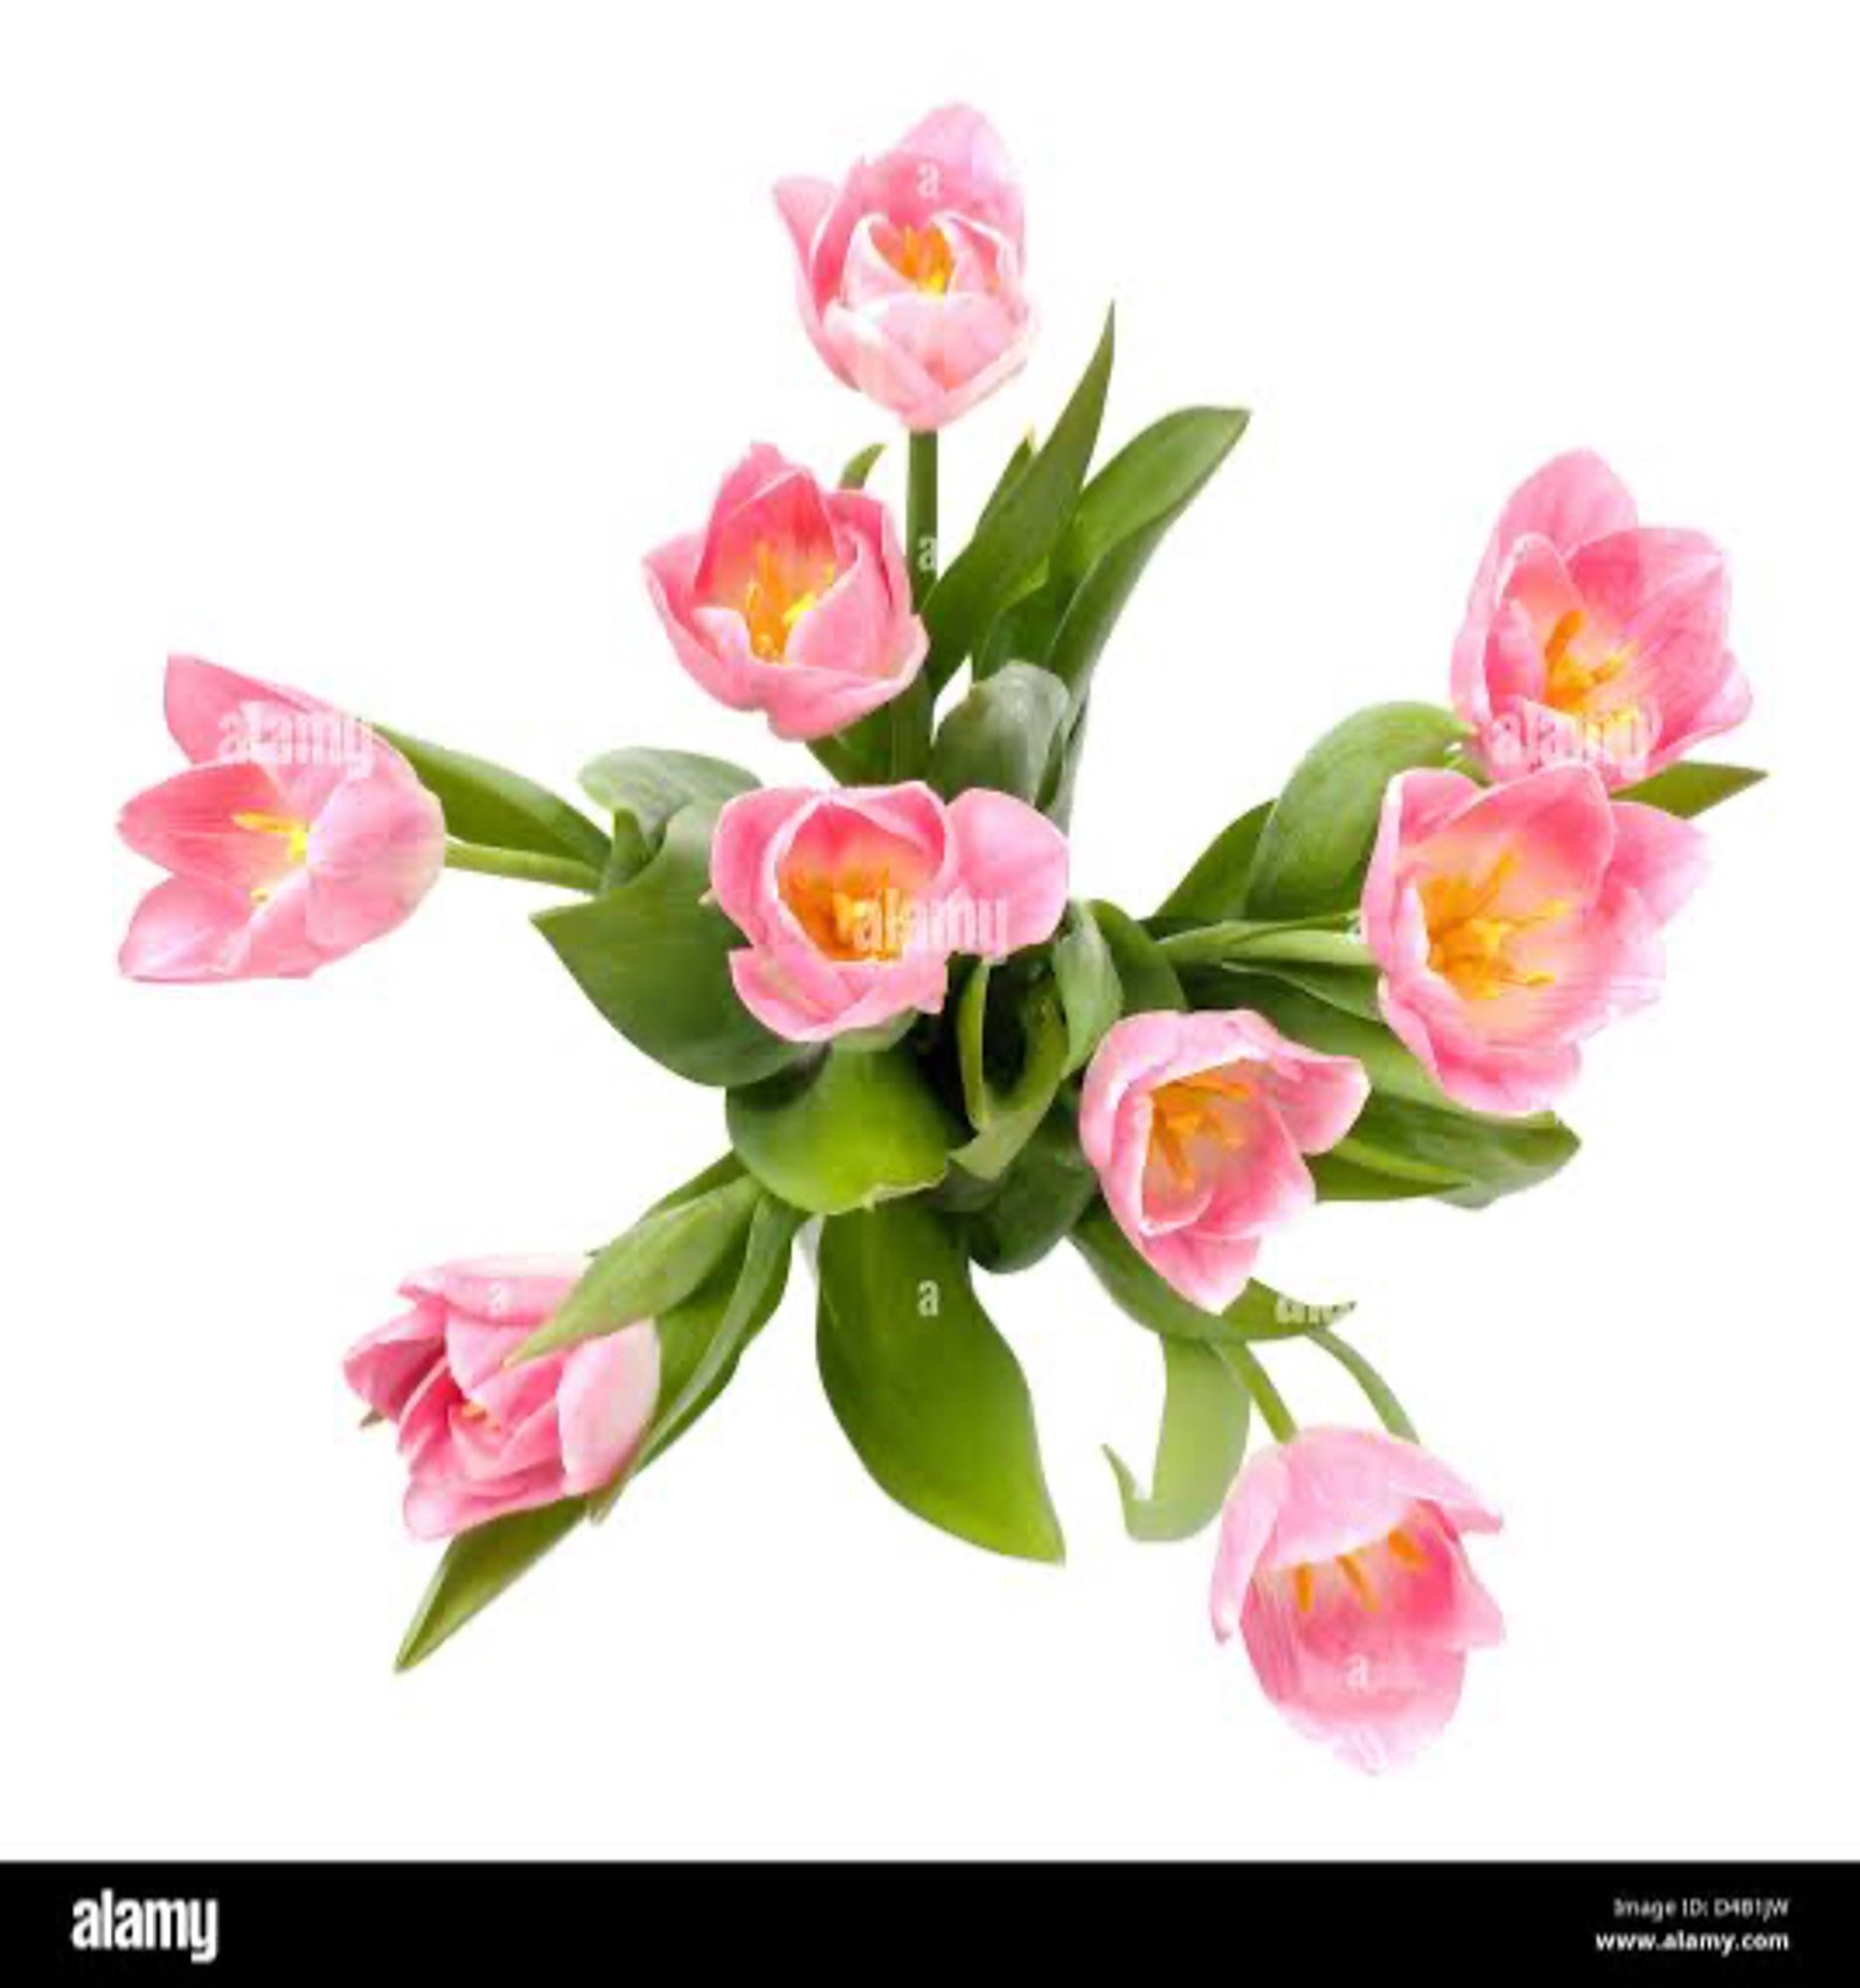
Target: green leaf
x=852, y=1128
x=1020, y=529
x=890, y=743
x=1090, y=992
x=859, y=468
x=1260, y=1312
x=1011, y=472
x=1153, y=478
x=1199, y=1450
x=488, y=804
x=477, y=1569
x=1001, y=735
x=928, y=1392
x=665, y=1257
x=702, y=1339
x=1216, y=886
x=1316, y=843
x=1144, y=971
x=1692, y=786
x=1033, y=1040
x=1036, y=1204
x=653, y=958
x=643, y=787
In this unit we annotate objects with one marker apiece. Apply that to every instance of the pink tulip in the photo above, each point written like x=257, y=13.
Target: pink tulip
x=793, y=600
x=1341, y=1565
x=853, y=900
x=295, y=835
x=1590, y=637
x=911, y=270
x=1198, y=1125
x=483, y=1437
x=1511, y=922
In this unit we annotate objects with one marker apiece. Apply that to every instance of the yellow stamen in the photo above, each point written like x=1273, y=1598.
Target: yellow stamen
x=922, y=256
x=1403, y=1546
x=1472, y=949
x=1571, y=674
x=771, y=609
x=297, y=836
x=859, y=914
x=1305, y=1587
x=1191, y=1105
x=1359, y=1584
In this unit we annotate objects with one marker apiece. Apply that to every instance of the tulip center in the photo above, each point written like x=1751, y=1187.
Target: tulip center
x=921, y=256
x=295, y=834
x=1365, y=1574
x=776, y=598
x=1204, y=1106
x=858, y=915
x=1469, y=944
x=1573, y=671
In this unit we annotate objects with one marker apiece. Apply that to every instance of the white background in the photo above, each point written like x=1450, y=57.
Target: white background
x=366, y=349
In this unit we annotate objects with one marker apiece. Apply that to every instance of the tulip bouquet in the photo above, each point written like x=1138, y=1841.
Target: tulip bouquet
x=931, y=1053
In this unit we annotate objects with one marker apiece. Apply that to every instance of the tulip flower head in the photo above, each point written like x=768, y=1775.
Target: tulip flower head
x=1512, y=921
x=853, y=902
x=1197, y=1126
x=793, y=601
x=1341, y=1568
x=481, y=1435
x=295, y=835
x=1592, y=638
x=911, y=270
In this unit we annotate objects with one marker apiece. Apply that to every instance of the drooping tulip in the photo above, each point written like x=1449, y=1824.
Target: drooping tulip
x=911, y=270
x=853, y=902
x=295, y=835
x=1341, y=1568
x=481, y=1437
x=793, y=600
x=1198, y=1125
x=1512, y=921
x=1592, y=638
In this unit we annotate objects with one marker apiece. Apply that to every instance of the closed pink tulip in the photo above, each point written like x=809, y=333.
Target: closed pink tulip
x=481, y=1437
x=295, y=836
x=793, y=601
x=911, y=270
x=852, y=901
x=1198, y=1125
x=1341, y=1568
x=1512, y=921
x=1591, y=637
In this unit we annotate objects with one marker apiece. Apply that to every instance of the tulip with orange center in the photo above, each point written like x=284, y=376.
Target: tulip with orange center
x=1590, y=637
x=793, y=600
x=910, y=269
x=853, y=902
x=1512, y=921
x=1341, y=1568
x=1197, y=1126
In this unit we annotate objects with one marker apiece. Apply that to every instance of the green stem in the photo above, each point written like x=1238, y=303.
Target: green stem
x=1265, y=1397
x=1381, y=1395
x=523, y=863
x=1311, y=941
x=921, y=515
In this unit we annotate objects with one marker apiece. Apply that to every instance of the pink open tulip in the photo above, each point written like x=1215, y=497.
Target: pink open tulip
x=793, y=600
x=1340, y=1566
x=1590, y=637
x=911, y=270
x=853, y=900
x=481, y=1437
x=1511, y=922
x=1198, y=1125
x=295, y=835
